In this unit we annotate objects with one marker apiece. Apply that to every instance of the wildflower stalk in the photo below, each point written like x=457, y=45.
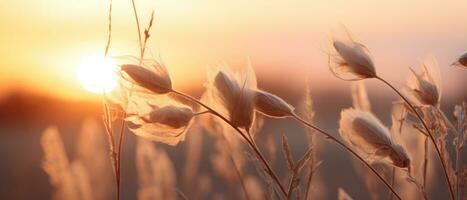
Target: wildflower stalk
x=107, y=114
x=250, y=143
x=393, y=181
x=425, y=162
x=428, y=131
x=329, y=136
x=122, y=127
x=137, y=26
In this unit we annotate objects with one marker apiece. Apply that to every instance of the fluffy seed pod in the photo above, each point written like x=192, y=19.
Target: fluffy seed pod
x=232, y=94
x=424, y=87
x=167, y=124
x=272, y=105
x=157, y=80
x=461, y=61
x=371, y=138
x=172, y=116
x=351, y=61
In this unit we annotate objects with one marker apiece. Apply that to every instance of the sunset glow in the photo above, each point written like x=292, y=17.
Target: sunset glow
x=97, y=74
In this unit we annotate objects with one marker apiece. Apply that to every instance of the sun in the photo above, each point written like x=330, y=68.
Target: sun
x=97, y=74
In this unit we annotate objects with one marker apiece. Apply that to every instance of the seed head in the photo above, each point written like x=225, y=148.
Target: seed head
x=272, y=105
x=172, y=116
x=370, y=137
x=461, y=61
x=233, y=96
x=351, y=61
x=153, y=77
x=163, y=121
x=424, y=87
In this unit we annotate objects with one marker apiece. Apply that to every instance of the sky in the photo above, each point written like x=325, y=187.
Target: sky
x=43, y=41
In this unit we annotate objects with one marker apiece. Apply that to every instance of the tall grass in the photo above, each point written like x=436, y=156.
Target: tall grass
x=231, y=111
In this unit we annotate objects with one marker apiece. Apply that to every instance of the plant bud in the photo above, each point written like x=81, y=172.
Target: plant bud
x=352, y=61
x=272, y=105
x=172, y=116
x=158, y=83
x=424, y=87
x=370, y=137
x=461, y=61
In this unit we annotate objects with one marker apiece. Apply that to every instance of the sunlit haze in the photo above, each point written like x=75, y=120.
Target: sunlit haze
x=97, y=74
x=49, y=39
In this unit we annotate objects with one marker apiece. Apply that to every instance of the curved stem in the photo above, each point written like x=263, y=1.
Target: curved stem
x=329, y=136
x=137, y=26
x=430, y=134
x=252, y=146
x=425, y=161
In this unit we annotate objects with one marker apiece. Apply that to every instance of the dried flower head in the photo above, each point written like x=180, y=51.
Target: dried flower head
x=272, y=105
x=424, y=88
x=150, y=75
x=231, y=94
x=461, y=61
x=172, y=116
x=352, y=60
x=165, y=120
x=371, y=138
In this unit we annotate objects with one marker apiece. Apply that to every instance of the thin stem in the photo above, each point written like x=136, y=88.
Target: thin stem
x=291, y=182
x=430, y=134
x=202, y=112
x=458, y=173
x=107, y=117
x=119, y=154
x=137, y=25
x=453, y=128
x=122, y=128
x=425, y=162
x=310, y=178
x=393, y=180
x=250, y=143
x=109, y=36
x=329, y=136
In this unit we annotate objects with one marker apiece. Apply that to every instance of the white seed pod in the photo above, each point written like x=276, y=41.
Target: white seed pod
x=167, y=124
x=351, y=61
x=272, y=105
x=425, y=87
x=461, y=61
x=364, y=132
x=232, y=95
x=157, y=80
x=171, y=116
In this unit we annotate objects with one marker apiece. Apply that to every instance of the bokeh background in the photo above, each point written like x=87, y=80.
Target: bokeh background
x=42, y=43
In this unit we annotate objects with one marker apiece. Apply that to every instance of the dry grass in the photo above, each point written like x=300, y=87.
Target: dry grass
x=231, y=112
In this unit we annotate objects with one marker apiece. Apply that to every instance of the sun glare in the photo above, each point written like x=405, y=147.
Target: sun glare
x=97, y=74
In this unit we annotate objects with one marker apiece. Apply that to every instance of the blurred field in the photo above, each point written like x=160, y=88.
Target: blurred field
x=24, y=116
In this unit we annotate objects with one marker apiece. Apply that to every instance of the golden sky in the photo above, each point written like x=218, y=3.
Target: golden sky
x=42, y=41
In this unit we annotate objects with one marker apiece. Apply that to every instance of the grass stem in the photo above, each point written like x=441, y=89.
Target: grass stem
x=430, y=134
x=329, y=136
x=250, y=143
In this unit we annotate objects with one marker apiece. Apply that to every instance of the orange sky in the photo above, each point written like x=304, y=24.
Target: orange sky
x=42, y=42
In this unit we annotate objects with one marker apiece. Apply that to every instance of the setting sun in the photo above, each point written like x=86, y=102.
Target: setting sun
x=97, y=74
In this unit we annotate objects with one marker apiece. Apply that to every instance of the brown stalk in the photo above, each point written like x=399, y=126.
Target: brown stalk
x=107, y=116
x=329, y=136
x=430, y=134
x=250, y=143
x=425, y=162
x=122, y=127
